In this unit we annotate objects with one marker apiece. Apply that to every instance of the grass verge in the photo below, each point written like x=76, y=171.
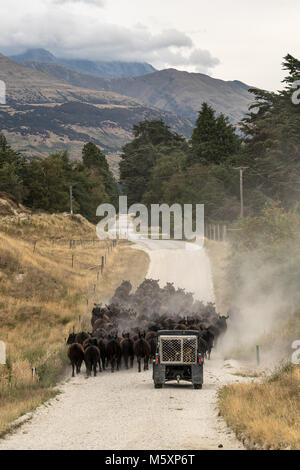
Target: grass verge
x=267, y=414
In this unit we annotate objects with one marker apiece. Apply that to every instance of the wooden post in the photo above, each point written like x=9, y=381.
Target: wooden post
x=34, y=246
x=257, y=355
x=71, y=200
x=224, y=233
x=72, y=261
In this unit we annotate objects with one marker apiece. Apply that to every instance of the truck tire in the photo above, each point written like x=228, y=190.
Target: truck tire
x=157, y=385
x=197, y=386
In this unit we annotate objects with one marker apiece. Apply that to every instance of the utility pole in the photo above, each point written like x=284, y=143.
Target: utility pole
x=71, y=199
x=241, y=170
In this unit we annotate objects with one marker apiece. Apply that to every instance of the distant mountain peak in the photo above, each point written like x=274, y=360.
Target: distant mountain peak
x=40, y=55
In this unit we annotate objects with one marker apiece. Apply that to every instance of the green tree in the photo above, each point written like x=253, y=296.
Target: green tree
x=272, y=141
x=152, y=140
x=47, y=183
x=96, y=163
x=12, y=166
x=214, y=139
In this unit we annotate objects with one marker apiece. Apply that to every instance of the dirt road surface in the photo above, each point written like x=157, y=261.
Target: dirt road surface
x=184, y=264
x=123, y=410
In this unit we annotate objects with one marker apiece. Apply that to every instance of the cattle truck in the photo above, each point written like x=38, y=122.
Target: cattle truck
x=179, y=356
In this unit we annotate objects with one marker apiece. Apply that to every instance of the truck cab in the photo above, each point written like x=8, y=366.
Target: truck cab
x=178, y=357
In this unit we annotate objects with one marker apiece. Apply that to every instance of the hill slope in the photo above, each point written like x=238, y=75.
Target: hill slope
x=183, y=93
x=96, y=68
x=171, y=90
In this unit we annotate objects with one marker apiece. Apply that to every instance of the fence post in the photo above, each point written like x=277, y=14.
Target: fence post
x=72, y=261
x=257, y=355
x=224, y=233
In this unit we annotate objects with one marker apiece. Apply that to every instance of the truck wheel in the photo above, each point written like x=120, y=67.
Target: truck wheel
x=157, y=385
x=197, y=386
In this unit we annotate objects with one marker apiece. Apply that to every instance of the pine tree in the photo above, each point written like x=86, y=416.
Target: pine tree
x=213, y=140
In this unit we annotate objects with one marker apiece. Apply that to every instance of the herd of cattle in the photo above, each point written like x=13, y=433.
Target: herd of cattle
x=127, y=328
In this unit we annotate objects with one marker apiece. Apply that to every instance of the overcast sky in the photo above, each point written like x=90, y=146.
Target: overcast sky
x=228, y=39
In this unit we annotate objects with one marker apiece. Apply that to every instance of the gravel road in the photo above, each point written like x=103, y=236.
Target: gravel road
x=123, y=410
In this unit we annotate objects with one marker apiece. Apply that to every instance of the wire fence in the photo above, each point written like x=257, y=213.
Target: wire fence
x=216, y=232
x=219, y=232
x=90, y=295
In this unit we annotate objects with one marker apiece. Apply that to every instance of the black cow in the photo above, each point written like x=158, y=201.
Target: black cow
x=76, y=356
x=127, y=349
x=142, y=350
x=113, y=352
x=91, y=359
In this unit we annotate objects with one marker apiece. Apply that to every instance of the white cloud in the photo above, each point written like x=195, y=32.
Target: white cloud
x=80, y=33
x=99, y=3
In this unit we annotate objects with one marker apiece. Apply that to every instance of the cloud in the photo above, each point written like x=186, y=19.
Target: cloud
x=79, y=33
x=99, y=3
x=200, y=59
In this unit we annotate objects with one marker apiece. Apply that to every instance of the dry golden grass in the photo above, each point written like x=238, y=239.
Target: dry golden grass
x=218, y=253
x=42, y=298
x=267, y=413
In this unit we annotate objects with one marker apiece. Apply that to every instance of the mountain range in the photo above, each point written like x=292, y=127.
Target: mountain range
x=98, y=68
x=44, y=114
x=51, y=107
